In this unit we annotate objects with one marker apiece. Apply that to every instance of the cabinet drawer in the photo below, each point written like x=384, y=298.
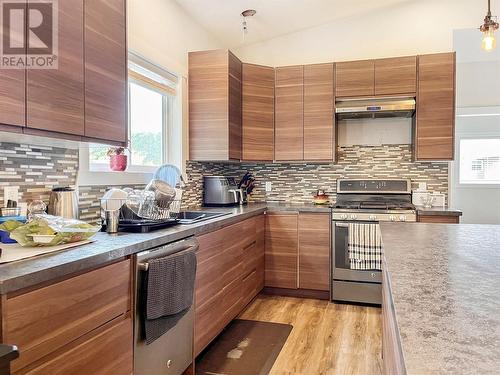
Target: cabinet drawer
x=46, y=319
x=108, y=352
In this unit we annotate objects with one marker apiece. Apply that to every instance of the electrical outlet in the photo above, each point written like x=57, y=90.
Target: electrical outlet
x=269, y=186
x=10, y=192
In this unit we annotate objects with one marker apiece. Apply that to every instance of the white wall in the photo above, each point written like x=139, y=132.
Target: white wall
x=416, y=27
x=478, y=116
x=162, y=32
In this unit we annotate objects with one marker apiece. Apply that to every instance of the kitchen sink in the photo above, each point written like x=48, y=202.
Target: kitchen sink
x=191, y=217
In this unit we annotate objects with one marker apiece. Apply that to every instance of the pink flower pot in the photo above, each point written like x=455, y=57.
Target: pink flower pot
x=118, y=162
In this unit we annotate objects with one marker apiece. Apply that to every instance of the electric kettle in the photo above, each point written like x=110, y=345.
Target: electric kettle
x=63, y=202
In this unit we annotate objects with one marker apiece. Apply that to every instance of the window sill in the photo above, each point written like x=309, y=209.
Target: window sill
x=113, y=178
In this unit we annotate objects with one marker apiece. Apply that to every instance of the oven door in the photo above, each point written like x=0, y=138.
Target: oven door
x=340, y=257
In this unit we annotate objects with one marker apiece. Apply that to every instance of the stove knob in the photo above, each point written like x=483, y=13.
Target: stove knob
x=343, y=216
x=372, y=217
x=392, y=218
x=402, y=218
x=354, y=216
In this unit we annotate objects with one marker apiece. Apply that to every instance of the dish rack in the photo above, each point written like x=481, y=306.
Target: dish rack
x=143, y=214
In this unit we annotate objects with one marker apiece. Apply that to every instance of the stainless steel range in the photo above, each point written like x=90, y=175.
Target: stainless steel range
x=356, y=240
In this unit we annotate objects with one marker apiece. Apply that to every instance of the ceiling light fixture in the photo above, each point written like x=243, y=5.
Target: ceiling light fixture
x=488, y=29
x=245, y=14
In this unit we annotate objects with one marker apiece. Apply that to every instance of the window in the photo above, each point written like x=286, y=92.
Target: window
x=480, y=161
x=151, y=92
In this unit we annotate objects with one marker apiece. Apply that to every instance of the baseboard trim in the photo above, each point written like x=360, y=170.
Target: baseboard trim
x=300, y=293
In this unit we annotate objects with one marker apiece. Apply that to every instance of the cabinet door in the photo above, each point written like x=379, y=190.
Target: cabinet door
x=105, y=70
x=396, y=75
x=258, y=112
x=289, y=110
x=55, y=97
x=235, y=130
x=355, y=78
x=108, y=352
x=208, y=289
x=46, y=319
x=314, y=251
x=318, y=112
x=208, y=105
x=281, y=255
x=435, y=118
x=12, y=97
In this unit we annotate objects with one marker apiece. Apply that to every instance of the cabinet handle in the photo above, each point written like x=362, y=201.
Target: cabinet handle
x=250, y=245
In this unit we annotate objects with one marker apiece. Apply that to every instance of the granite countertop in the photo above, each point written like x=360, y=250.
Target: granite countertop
x=106, y=248
x=445, y=289
x=275, y=206
x=441, y=211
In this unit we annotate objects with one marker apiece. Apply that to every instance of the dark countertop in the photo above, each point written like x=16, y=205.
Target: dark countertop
x=297, y=207
x=106, y=248
x=445, y=288
x=438, y=211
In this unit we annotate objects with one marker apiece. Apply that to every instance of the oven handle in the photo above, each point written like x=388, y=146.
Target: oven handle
x=343, y=225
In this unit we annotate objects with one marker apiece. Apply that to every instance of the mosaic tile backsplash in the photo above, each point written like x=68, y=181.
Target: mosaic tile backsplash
x=299, y=181
x=37, y=169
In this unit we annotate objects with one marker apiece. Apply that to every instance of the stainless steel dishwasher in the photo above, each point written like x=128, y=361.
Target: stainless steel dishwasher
x=171, y=353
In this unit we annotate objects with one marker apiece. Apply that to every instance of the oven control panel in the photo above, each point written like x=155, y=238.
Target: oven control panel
x=395, y=216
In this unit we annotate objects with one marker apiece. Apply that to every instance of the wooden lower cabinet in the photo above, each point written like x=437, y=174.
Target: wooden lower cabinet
x=107, y=352
x=282, y=248
x=230, y=273
x=44, y=320
x=314, y=251
x=298, y=251
x=443, y=219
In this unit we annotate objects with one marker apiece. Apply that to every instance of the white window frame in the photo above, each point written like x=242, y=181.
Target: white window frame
x=472, y=134
x=101, y=175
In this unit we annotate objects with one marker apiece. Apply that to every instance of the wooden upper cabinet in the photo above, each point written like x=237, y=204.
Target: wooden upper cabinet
x=355, y=78
x=258, y=112
x=12, y=97
x=55, y=97
x=105, y=70
x=314, y=251
x=318, y=112
x=214, y=105
x=235, y=107
x=396, y=75
x=435, y=118
x=281, y=250
x=289, y=112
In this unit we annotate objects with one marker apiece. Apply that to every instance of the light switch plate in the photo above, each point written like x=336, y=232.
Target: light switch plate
x=10, y=192
x=269, y=186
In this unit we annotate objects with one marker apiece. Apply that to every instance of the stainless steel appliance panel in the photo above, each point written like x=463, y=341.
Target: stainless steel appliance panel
x=172, y=353
x=350, y=291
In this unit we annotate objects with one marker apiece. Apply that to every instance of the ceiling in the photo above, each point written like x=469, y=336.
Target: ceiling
x=274, y=17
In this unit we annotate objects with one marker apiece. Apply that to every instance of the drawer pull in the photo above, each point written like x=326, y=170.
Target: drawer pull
x=250, y=245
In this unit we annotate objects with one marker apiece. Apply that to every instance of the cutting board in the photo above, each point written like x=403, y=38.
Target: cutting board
x=14, y=251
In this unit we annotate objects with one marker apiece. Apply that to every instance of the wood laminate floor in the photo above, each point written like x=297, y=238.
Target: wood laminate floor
x=327, y=338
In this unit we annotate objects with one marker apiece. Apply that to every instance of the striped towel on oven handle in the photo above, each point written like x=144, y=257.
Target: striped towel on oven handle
x=365, y=246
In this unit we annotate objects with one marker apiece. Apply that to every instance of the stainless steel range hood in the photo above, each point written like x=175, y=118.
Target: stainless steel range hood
x=374, y=107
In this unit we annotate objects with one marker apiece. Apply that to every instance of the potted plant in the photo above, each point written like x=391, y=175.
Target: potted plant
x=117, y=159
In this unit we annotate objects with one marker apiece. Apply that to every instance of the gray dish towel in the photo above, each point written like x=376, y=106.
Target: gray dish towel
x=168, y=290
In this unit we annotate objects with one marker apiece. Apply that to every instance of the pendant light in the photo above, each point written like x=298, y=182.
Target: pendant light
x=488, y=29
x=244, y=15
